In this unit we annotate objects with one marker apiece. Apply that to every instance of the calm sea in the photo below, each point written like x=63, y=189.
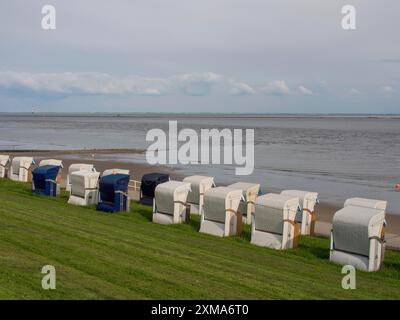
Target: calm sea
x=339, y=157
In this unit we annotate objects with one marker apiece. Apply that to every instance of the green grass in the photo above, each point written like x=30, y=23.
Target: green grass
x=125, y=256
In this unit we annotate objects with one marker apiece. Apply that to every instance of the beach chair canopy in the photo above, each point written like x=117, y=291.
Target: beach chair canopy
x=4, y=159
x=308, y=200
x=43, y=173
x=218, y=200
x=198, y=185
x=167, y=193
x=51, y=162
x=250, y=193
x=271, y=211
x=353, y=226
x=115, y=171
x=367, y=203
x=80, y=167
x=83, y=180
x=21, y=162
x=112, y=183
x=150, y=181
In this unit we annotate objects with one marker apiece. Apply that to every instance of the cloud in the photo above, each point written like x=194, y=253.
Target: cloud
x=276, y=88
x=387, y=89
x=240, y=89
x=94, y=83
x=305, y=91
x=354, y=91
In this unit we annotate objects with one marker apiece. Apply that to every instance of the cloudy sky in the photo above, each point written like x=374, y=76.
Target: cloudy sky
x=200, y=56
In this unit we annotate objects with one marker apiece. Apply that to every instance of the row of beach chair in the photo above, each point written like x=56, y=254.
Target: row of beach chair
x=277, y=220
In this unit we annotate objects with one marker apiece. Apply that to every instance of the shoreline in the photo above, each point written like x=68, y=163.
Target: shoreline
x=325, y=211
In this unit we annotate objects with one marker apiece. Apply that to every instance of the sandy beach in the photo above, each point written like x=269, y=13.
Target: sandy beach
x=325, y=211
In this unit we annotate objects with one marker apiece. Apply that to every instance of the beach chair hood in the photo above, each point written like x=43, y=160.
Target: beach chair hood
x=367, y=203
x=199, y=185
x=150, y=181
x=272, y=210
x=354, y=226
x=168, y=193
x=51, y=162
x=115, y=171
x=250, y=194
x=4, y=161
x=218, y=200
x=83, y=180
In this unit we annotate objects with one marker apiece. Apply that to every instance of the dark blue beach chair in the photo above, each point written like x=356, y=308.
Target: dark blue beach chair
x=113, y=192
x=44, y=180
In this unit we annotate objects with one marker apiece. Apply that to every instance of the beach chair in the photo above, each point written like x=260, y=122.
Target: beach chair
x=219, y=215
x=53, y=162
x=358, y=234
x=148, y=186
x=169, y=206
x=250, y=194
x=21, y=169
x=273, y=224
x=84, y=187
x=77, y=167
x=307, y=217
x=44, y=180
x=4, y=162
x=113, y=193
x=198, y=185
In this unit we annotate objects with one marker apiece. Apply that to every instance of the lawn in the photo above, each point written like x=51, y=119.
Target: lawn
x=125, y=256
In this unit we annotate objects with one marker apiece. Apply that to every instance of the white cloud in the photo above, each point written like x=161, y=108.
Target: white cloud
x=387, y=89
x=354, y=91
x=303, y=90
x=276, y=88
x=240, y=88
x=94, y=83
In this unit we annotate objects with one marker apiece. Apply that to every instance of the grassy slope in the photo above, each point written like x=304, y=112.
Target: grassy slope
x=99, y=255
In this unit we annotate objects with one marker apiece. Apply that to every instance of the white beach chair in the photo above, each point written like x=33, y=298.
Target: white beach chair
x=169, y=204
x=250, y=194
x=198, y=185
x=307, y=217
x=84, y=189
x=77, y=167
x=358, y=236
x=273, y=224
x=219, y=215
x=21, y=169
x=4, y=162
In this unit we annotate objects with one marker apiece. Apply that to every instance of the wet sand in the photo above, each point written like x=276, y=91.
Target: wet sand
x=325, y=211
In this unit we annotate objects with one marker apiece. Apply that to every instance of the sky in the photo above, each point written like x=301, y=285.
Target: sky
x=251, y=56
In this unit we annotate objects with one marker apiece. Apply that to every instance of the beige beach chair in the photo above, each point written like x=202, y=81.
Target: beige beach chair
x=169, y=203
x=77, y=167
x=307, y=217
x=250, y=194
x=220, y=211
x=84, y=189
x=4, y=162
x=358, y=234
x=21, y=169
x=199, y=185
x=273, y=224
